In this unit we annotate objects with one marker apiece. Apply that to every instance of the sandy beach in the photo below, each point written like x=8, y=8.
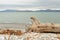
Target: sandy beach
x=31, y=36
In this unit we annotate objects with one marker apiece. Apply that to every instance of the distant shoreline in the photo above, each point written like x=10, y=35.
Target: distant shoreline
x=48, y=10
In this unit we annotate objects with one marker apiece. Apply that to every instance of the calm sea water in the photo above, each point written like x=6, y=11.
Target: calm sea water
x=24, y=17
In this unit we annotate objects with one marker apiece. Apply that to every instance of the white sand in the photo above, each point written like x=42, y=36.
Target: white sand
x=31, y=36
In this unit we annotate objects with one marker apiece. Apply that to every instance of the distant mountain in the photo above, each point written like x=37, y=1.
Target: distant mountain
x=16, y=11
x=47, y=10
x=10, y=11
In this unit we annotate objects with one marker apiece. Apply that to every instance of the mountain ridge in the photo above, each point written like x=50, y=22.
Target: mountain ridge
x=47, y=10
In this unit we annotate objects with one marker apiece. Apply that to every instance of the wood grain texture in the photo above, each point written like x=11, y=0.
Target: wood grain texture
x=43, y=27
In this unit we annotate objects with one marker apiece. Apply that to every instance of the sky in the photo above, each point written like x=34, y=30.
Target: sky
x=29, y=4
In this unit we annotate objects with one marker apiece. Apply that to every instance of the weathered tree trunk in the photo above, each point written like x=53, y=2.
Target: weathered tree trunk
x=38, y=27
x=49, y=28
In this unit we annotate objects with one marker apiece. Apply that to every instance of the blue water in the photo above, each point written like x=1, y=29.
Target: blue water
x=24, y=17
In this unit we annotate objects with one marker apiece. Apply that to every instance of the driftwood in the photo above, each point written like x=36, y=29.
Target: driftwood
x=44, y=27
x=11, y=32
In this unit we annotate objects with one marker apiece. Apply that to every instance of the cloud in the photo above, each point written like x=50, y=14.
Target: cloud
x=49, y=2
x=42, y=4
x=19, y=2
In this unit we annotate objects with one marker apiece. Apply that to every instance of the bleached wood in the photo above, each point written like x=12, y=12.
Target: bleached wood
x=45, y=27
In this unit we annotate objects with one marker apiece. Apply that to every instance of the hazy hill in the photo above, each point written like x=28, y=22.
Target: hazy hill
x=47, y=10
